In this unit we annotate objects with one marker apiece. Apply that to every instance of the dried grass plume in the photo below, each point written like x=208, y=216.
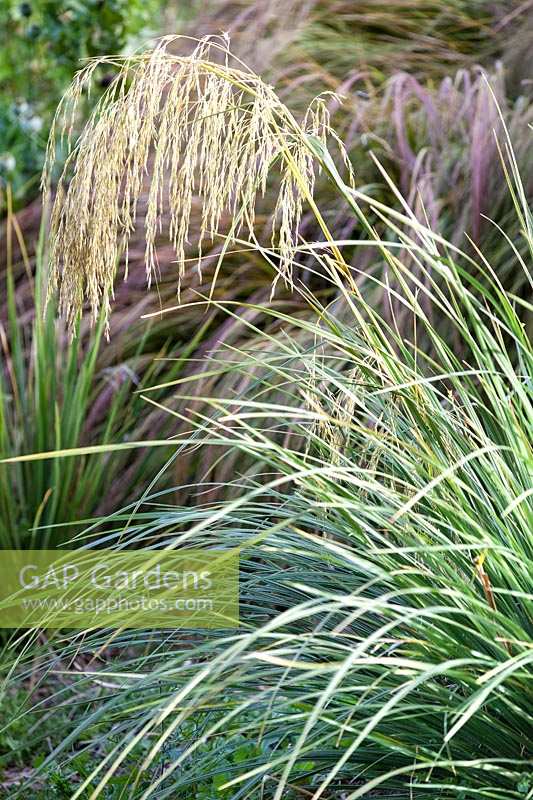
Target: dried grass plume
x=204, y=129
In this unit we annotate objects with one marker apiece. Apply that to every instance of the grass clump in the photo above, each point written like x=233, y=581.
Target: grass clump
x=383, y=509
x=429, y=39
x=58, y=393
x=412, y=97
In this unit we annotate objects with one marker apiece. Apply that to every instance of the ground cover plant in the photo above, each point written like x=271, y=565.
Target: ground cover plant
x=382, y=501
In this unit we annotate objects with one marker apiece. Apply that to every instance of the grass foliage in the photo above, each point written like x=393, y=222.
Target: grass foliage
x=383, y=509
x=58, y=393
x=367, y=447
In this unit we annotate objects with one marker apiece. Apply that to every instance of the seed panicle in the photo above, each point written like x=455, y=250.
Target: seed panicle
x=208, y=133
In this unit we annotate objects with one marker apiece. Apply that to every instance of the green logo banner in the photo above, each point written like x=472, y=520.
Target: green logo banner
x=119, y=589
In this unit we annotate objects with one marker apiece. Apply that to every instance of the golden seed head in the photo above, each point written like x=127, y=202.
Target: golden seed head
x=210, y=135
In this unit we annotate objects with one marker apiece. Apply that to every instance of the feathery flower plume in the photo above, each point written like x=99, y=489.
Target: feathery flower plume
x=205, y=130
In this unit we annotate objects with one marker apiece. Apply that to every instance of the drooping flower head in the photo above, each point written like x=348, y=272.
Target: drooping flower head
x=204, y=133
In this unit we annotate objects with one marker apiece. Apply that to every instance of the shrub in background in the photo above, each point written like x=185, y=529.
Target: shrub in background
x=41, y=45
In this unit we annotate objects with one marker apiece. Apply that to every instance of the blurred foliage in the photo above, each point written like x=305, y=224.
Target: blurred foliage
x=339, y=39
x=41, y=47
